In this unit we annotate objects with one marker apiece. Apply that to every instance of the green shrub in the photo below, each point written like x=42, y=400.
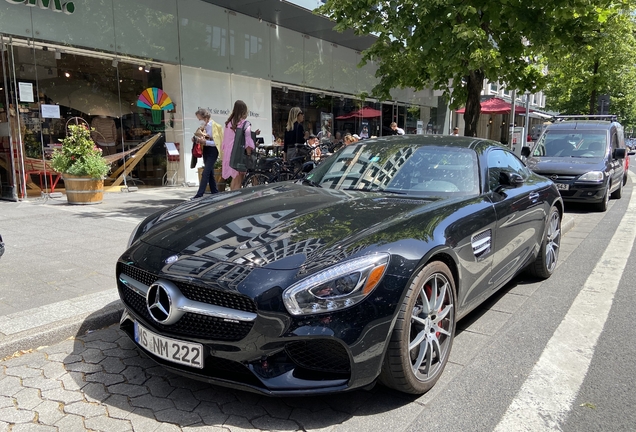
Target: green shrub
x=79, y=155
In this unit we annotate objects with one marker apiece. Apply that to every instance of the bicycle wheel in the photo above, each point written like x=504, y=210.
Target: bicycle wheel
x=255, y=179
x=285, y=176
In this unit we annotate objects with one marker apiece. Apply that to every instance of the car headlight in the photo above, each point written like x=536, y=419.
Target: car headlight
x=593, y=176
x=337, y=287
x=133, y=235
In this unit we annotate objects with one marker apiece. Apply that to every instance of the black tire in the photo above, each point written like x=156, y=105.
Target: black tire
x=255, y=179
x=602, y=206
x=434, y=331
x=618, y=193
x=625, y=179
x=546, y=261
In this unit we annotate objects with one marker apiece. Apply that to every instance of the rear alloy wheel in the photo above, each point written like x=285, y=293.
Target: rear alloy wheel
x=423, y=336
x=546, y=261
x=618, y=193
x=602, y=206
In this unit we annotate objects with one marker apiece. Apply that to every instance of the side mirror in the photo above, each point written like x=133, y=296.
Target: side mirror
x=525, y=152
x=620, y=153
x=632, y=153
x=510, y=180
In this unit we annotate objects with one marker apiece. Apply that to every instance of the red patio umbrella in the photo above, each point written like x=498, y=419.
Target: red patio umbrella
x=365, y=112
x=495, y=106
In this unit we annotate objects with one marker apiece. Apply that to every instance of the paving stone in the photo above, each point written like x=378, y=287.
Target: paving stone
x=112, y=365
x=95, y=392
x=10, y=386
x=33, y=427
x=135, y=375
x=243, y=410
x=119, y=407
x=210, y=413
x=310, y=404
x=64, y=358
x=213, y=394
x=270, y=423
x=14, y=415
x=49, y=412
x=348, y=403
x=23, y=372
x=33, y=359
x=110, y=334
x=184, y=399
x=41, y=383
x=203, y=428
x=100, y=344
x=105, y=378
x=166, y=427
x=93, y=355
x=159, y=387
x=4, y=427
x=107, y=424
x=142, y=362
x=85, y=409
x=467, y=345
x=248, y=398
x=486, y=322
x=64, y=396
x=120, y=353
x=143, y=420
x=186, y=383
x=128, y=390
x=53, y=370
x=28, y=398
x=64, y=347
x=84, y=367
x=158, y=371
x=238, y=424
x=317, y=419
x=6, y=402
x=71, y=423
x=126, y=343
x=155, y=403
x=276, y=408
x=178, y=417
x=73, y=381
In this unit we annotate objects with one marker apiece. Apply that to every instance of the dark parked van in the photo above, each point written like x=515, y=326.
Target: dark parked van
x=584, y=156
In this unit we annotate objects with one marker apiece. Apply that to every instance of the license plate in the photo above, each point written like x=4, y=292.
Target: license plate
x=176, y=351
x=562, y=186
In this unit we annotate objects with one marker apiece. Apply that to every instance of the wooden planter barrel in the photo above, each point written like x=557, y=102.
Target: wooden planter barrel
x=83, y=190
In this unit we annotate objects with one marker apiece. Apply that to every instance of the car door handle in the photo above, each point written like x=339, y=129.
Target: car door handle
x=533, y=196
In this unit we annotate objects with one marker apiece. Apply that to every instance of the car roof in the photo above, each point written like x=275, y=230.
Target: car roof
x=438, y=141
x=583, y=125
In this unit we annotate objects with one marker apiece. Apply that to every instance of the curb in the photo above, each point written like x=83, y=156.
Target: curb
x=567, y=225
x=61, y=330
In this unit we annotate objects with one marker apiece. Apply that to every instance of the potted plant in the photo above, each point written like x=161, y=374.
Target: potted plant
x=82, y=166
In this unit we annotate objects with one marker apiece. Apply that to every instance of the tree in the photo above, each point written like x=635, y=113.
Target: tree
x=453, y=45
x=601, y=63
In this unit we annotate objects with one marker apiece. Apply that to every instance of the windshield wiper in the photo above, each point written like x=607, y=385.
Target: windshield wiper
x=376, y=191
x=311, y=183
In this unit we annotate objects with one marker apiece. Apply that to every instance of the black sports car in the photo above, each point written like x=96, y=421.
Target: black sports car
x=358, y=273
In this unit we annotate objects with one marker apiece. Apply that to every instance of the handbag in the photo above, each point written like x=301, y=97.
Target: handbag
x=197, y=151
x=238, y=158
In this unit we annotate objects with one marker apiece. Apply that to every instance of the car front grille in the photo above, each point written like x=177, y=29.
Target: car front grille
x=191, y=324
x=321, y=355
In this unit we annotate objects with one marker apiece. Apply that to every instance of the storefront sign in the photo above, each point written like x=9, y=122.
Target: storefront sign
x=55, y=5
x=51, y=111
x=26, y=92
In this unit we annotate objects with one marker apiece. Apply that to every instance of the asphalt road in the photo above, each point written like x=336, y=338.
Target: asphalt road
x=516, y=364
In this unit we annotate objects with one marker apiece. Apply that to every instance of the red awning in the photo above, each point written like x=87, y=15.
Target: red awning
x=365, y=112
x=495, y=106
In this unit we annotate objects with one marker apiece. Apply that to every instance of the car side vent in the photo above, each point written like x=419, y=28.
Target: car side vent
x=482, y=243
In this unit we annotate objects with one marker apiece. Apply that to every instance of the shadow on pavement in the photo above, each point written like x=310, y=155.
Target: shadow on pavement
x=112, y=371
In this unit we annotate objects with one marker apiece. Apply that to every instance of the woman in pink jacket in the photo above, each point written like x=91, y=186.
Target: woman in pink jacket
x=235, y=121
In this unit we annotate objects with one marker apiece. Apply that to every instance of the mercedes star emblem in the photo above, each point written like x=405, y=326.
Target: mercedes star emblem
x=159, y=302
x=554, y=177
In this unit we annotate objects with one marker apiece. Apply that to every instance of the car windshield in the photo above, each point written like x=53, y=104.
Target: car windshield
x=400, y=169
x=572, y=143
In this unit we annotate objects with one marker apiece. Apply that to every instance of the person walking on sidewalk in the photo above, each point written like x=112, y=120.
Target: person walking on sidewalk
x=210, y=154
x=294, y=133
x=237, y=119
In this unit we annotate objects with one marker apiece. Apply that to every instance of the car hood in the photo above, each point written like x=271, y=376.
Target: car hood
x=278, y=227
x=564, y=165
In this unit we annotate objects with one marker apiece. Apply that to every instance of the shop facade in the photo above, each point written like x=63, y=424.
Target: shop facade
x=133, y=69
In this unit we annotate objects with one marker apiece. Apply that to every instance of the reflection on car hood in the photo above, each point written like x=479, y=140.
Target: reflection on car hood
x=278, y=227
x=564, y=165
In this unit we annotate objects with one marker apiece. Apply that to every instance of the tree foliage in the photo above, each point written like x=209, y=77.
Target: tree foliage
x=453, y=45
x=601, y=62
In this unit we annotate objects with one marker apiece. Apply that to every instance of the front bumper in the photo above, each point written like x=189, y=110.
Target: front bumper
x=276, y=354
x=583, y=193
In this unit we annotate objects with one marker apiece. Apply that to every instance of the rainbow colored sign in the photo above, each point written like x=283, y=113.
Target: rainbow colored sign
x=156, y=100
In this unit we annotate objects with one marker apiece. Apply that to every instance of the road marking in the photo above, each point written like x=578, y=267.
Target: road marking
x=546, y=396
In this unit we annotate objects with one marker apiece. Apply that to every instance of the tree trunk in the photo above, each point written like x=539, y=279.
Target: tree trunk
x=474, y=85
x=594, y=94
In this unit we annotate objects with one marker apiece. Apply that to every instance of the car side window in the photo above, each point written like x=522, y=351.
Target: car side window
x=614, y=142
x=503, y=161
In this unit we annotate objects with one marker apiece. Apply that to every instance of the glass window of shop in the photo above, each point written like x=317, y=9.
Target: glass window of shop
x=47, y=88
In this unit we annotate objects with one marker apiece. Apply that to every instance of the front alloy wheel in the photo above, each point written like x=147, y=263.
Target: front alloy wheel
x=424, y=332
x=546, y=261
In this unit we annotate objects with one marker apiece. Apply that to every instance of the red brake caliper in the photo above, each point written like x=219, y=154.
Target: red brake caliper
x=429, y=291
